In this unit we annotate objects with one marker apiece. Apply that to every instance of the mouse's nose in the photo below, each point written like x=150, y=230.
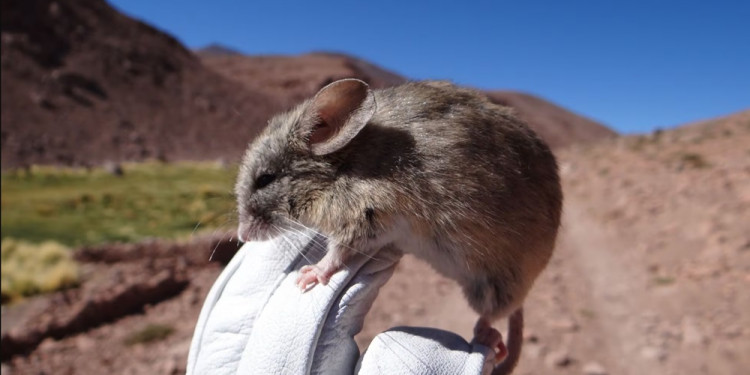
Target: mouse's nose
x=247, y=216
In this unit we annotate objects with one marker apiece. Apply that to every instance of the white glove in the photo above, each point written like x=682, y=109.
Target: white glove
x=255, y=320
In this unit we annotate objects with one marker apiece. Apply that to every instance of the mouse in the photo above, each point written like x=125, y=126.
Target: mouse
x=432, y=168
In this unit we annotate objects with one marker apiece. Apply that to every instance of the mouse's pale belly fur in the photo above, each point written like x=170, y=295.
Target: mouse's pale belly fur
x=495, y=287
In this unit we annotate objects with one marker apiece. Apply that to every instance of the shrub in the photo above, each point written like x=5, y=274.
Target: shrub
x=29, y=269
x=693, y=160
x=149, y=333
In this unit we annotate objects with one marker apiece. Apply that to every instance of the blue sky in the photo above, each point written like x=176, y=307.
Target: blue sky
x=633, y=65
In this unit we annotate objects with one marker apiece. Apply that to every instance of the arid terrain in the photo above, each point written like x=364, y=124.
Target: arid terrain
x=649, y=276
x=651, y=269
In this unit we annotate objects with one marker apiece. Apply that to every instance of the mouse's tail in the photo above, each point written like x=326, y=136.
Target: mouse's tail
x=515, y=340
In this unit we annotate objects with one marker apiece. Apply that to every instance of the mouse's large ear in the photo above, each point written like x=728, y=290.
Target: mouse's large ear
x=338, y=112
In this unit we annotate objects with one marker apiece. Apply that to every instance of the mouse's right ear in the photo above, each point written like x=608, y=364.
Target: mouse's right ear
x=336, y=115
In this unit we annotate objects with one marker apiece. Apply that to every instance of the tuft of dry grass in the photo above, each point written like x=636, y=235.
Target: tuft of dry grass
x=150, y=333
x=693, y=160
x=664, y=280
x=29, y=268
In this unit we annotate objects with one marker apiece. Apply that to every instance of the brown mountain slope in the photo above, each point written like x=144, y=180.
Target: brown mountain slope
x=558, y=126
x=82, y=83
x=215, y=50
x=290, y=79
x=651, y=270
x=654, y=264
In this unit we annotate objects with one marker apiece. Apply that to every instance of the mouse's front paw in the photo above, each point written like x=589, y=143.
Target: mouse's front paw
x=309, y=276
x=485, y=335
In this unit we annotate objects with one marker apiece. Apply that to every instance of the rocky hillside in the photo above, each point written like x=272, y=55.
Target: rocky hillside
x=649, y=276
x=290, y=79
x=653, y=267
x=83, y=84
x=558, y=126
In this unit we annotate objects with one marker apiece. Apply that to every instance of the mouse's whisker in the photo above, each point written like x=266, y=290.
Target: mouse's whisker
x=319, y=246
x=213, y=252
x=314, y=238
x=283, y=235
x=196, y=228
x=291, y=222
x=295, y=249
x=300, y=252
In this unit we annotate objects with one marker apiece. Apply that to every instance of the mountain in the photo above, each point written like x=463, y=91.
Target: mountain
x=290, y=79
x=653, y=259
x=558, y=126
x=215, y=49
x=82, y=84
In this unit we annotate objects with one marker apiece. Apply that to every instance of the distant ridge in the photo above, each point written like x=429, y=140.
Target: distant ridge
x=83, y=84
x=290, y=79
x=558, y=126
x=216, y=49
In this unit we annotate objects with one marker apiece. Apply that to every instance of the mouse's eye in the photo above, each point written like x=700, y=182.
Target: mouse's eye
x=263, y=180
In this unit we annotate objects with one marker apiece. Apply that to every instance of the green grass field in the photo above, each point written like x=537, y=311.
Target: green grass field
x=47, y=211
x=79, y=207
